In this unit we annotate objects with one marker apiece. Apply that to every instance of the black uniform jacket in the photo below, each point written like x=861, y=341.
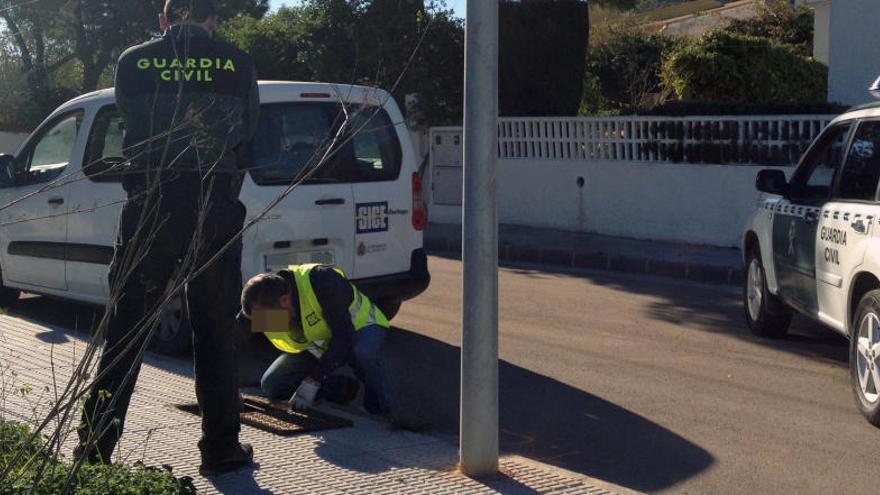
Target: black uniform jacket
x=189, y=103
x=335, y=294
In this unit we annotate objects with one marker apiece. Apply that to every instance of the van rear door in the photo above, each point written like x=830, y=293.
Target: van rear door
x=314, y=222
x=382, y=175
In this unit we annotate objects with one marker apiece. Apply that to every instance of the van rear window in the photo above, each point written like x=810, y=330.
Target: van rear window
x=292, y=137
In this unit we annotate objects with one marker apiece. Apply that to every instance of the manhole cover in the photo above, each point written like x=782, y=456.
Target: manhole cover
x=261, y=414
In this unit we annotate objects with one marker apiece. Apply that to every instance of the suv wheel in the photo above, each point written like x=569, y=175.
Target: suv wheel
x=766, y=315
x=173, y=337
x=864, y=357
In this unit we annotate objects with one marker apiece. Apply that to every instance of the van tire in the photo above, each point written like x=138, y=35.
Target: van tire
x=8, y=297
x=867, y=395
x=766, y=315
x=389, y=307
x=173, y=336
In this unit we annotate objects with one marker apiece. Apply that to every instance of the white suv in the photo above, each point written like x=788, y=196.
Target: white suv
x=813, y=246
x=58, y=224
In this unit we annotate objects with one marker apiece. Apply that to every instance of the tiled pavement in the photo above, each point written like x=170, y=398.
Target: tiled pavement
x=365, y=459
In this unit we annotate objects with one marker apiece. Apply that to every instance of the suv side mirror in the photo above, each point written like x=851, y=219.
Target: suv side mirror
x=7, y=170
x=772, y=182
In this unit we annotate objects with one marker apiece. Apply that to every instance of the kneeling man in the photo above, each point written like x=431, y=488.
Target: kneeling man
x=321, y=321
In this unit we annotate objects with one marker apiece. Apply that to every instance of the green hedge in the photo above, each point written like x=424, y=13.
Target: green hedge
x=23, y=460
x=678, y=108
x=623, y=72
x=782, y=22
x=736, y=68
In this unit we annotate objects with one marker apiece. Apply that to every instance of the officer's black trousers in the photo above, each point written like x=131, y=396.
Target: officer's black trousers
x=160, y=242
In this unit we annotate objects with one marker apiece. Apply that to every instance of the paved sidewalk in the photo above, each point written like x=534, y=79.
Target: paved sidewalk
x=368, y=458
x=578, y=250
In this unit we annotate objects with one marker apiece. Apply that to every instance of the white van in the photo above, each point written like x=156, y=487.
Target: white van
x=58, y=226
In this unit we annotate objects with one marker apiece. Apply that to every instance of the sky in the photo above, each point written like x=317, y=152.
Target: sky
x=456, y=5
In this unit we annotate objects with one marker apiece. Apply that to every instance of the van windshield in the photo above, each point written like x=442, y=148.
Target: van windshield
x=293, y=136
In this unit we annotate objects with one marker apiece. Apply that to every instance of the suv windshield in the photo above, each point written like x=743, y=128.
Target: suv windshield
x=291, y=136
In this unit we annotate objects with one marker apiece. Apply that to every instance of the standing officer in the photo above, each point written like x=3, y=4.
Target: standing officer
x=189, y=103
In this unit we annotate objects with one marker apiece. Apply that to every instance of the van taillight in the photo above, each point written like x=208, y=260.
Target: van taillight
x=419, y=215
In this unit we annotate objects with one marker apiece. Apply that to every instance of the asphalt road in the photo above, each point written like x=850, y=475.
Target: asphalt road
x=649, y=383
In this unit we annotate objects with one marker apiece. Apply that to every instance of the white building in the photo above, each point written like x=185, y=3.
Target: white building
x=845, y=40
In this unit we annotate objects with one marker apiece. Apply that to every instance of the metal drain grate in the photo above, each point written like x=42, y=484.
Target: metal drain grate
x=263, y=415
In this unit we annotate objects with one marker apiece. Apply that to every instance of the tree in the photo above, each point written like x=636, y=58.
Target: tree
x=31, y=58
x=84, y=37
x=626, y=69
x=781, y=22
x=543, y=56
x=399, y=45
x=728, y=67
x=276, y=43
x=92, y=32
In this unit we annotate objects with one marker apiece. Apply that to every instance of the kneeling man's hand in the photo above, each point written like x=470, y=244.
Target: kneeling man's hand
x=305, y=395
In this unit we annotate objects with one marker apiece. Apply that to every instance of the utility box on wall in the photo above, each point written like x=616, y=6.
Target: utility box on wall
x=446, y=166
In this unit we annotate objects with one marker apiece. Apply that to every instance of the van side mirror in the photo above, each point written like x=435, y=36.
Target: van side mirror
x=106, y=169
x=7, y=170
x=772, y=182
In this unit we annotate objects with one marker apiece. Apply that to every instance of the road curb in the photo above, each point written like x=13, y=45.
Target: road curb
x=598, y=260
x=599, y=487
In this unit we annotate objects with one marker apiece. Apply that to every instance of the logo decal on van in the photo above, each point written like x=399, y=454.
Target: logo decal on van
x=371, y=217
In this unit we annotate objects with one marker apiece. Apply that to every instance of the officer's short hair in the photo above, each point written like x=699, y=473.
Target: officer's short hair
x=189, y=10
x=265, y=290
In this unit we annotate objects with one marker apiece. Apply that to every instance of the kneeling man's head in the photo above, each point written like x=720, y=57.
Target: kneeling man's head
x=267, y=300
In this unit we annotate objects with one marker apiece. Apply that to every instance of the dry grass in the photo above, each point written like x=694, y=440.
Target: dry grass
x=604, y=16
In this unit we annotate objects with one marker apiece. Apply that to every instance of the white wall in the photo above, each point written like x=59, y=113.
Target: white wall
x=822, y=30
x=699, y=204
x=9, y=142
x=854, y=51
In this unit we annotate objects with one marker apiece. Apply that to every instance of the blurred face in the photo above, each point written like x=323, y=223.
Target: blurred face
x=273, y=319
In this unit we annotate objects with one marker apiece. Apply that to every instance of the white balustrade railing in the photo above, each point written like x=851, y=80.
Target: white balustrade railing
x=760, y=140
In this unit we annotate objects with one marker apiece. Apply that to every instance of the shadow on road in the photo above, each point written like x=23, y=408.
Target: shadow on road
x=240, y=481
x=543, y=419
x=705, y=307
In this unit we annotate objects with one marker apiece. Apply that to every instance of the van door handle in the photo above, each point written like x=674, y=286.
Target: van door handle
x=859, y=226
x=810, y=217
x=56, y=201
x=331, y=201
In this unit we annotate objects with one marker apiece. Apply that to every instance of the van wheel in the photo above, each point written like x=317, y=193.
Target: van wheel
x=766, y=315
x=8, y=296
x=173, y=337
x=389, y=307
x=864, y=357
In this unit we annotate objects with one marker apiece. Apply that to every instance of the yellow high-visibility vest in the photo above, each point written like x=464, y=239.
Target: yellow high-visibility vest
x=316, y=333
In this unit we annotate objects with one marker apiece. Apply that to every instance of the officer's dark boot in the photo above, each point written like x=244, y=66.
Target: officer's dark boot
x=215, y=463
x=100, y=451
